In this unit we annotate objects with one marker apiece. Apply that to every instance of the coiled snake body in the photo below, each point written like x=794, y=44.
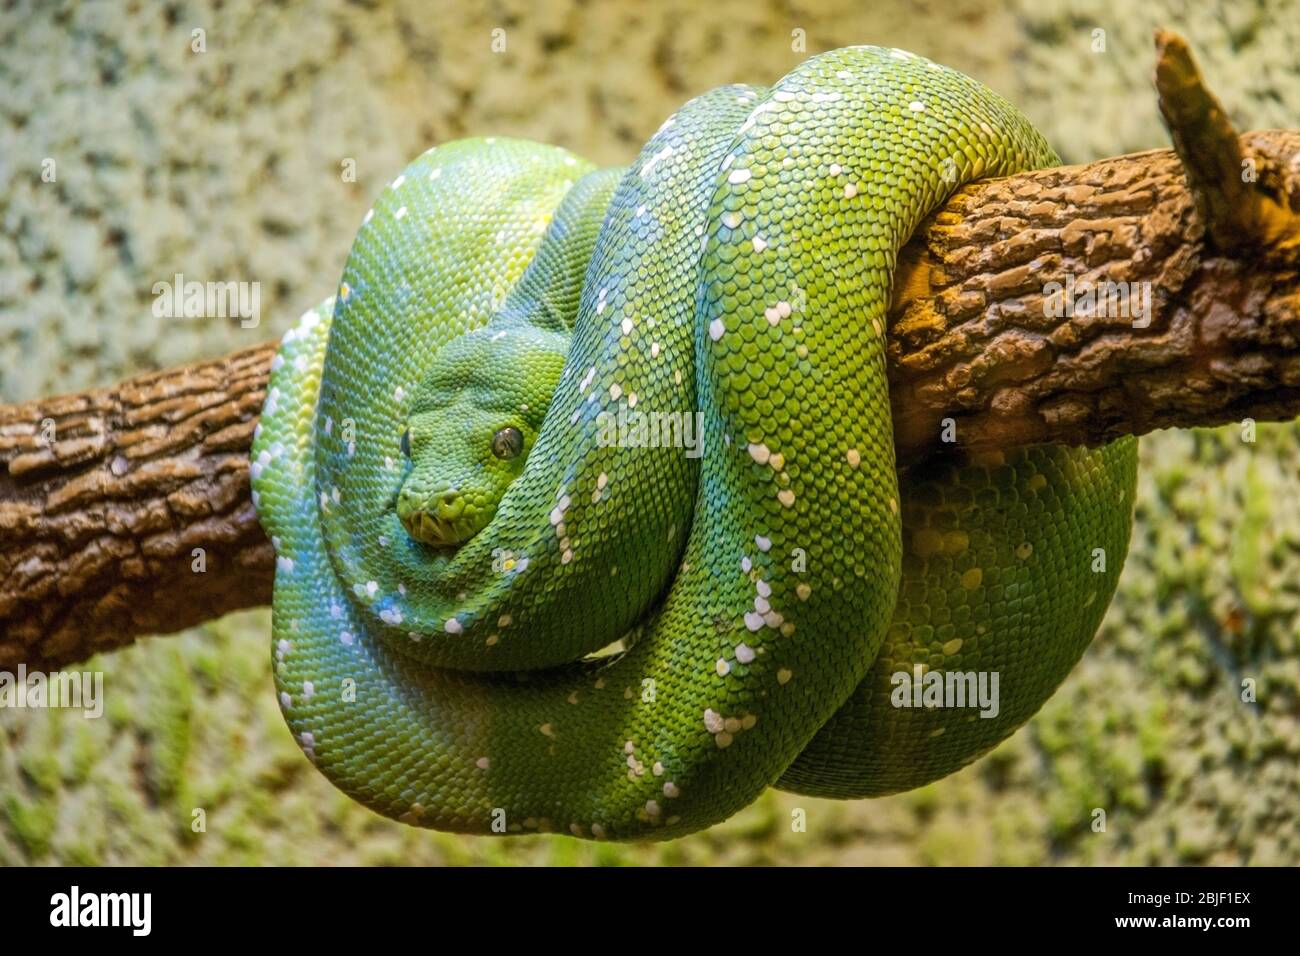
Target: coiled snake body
x=551, y=407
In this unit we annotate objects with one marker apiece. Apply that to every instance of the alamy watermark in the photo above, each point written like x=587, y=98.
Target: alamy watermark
x=633, y=429
x=932, y=689
x=133, y=911
x=208, y=300
x=58, y=689
x=1104, y=299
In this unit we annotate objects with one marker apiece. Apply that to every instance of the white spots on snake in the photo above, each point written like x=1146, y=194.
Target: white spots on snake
x=803, y=590
x=272, y=401
x=587, y=380
x=738, y=176
x=482, y=763
x=776, y=312
x=783, y=676
x=716, y=329
x=435, y=173
x=655, y=160
x=598, y=831
x=307, y=740
x=626, y=325
x=370, y=214
x=654, y=350
x=453, y=626
x=308, y=690
x=722, y=667
x=504, y=621
x=657, y=769
x=391, y=616
x=853, y=457
x=397, y=183
x=285, y=700
x=732, y=220
x=631, y=400
x=399, y=393
x=1024, y=550
x=557, y=514
x=400, y=214
x=492, y=639
x=346, y=638
x=259, y=464
x=615, y=392
x=916, y=106
x=764, y=543
x=836, y=169
x=677, y=377
x=744, y=654
x=389, y=464
x=746, y=565
x=285, y=564
x=753, y=621
x=759, y=243
x=573, y=698
x=850, y=190
x=277, y=363
x=760, y=453
x=336, y=610
x=786, y=497
x=546, y=730
x=499, y=336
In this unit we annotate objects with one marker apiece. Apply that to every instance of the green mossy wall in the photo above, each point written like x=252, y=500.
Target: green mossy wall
x=226, y=165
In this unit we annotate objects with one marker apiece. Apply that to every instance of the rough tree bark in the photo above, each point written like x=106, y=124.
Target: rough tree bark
x=99, y=527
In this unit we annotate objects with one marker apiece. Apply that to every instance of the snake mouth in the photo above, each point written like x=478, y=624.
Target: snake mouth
x=440, y=533
x=444, y=519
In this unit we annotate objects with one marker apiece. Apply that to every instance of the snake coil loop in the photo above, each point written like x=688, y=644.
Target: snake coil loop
x=553, y=407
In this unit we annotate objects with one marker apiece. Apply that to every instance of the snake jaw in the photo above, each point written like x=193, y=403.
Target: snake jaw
x=444, y=518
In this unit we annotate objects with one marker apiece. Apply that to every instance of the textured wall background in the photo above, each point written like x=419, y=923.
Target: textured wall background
x=226, y=165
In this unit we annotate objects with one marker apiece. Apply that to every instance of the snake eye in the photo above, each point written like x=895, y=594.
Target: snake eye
x=406, y=443
x=508, y=443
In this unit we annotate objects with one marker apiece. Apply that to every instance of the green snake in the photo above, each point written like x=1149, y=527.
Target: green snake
x=583, y=492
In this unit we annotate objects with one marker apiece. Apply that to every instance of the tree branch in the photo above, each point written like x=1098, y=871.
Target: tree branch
x=99, y=527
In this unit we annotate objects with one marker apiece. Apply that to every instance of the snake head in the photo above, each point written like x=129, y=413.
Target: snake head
x=474, y=419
